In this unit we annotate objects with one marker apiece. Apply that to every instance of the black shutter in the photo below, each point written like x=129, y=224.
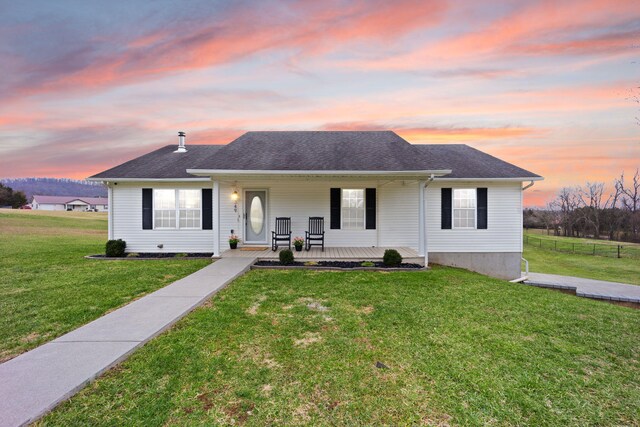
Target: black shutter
x=207, y=209
x=147, y=209
x=481, y=196
x=370, y=208
x=446, y=209
x=336, y=198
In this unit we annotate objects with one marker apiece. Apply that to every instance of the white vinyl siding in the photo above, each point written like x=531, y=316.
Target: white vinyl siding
x=298, y=198
x=398, y=214
x=397, y=210
x=504, y=216
x=126, y=212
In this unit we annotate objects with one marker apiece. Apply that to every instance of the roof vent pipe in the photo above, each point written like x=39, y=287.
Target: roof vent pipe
x=181, y=147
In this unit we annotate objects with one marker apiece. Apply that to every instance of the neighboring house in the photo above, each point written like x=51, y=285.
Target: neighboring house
x=452, y=204
x=70, y=203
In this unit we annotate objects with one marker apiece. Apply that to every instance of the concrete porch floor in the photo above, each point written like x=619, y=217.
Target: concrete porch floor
x=330, y=254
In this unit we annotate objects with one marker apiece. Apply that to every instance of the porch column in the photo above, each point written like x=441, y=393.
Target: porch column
x=215, y=196
x=422, y=242
x=110, y=211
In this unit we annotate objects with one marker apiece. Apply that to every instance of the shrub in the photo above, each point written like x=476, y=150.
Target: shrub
x=115, y=248
x=367, y=264
x=286, y=257
x=133, y=255
x=392, y=258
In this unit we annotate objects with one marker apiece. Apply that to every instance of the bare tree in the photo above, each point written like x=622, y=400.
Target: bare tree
x=566, y=203
x=631, y=200
x=593, y=201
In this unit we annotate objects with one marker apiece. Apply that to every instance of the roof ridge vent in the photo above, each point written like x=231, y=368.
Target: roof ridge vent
x=181, y=146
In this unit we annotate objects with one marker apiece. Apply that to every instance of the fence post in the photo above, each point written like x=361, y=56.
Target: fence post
x=555, y=245
x=573, y=248
x=594, y=248
x=619, y=251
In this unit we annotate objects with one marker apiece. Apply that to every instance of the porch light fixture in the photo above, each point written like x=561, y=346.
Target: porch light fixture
x=234, y=198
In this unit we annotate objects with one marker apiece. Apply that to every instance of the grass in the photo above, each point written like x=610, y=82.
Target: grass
x=542, y=234
x=546, y=260
x=301, y=347
x=47, y=288
x=624, y=270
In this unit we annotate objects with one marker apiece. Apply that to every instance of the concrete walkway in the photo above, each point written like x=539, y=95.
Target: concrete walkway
x=588, y=288
x=35, y=382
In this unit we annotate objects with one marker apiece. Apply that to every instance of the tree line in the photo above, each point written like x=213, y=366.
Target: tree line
x=591, y=210
x=8, y=197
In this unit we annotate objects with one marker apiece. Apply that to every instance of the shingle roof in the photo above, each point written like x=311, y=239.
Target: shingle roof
x=467, y=162
x=317, y=151
x=161, y=163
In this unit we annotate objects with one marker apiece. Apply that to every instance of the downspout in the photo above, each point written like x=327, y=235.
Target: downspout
x=110, y=205
x=423, y=219
x=526, y=263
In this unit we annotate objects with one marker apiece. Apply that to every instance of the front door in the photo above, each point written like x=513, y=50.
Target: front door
x=255, y=223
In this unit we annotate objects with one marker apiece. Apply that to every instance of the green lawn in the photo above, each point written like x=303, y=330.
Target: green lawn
x=543, y=234
x=296, y=347
x=47, y=288
x=547, y=260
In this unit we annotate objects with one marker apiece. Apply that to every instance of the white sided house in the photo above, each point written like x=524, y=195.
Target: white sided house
x=448, y=204
x=70, y=203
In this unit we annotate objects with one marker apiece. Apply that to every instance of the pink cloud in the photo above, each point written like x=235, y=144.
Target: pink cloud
x=309, y=27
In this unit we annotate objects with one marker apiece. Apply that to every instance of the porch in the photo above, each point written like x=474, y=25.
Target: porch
x=330, y=253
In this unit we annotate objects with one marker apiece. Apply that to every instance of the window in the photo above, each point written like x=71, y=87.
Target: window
x=189, y=201
x=464, y=208
x=176, y=209
x=164, y=208
x=353, y=209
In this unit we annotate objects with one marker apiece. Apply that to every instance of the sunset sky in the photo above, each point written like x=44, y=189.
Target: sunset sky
x=547, y=85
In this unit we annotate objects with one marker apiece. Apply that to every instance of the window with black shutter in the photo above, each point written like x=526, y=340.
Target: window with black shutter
x=335, y=200
x=481, y=195
x=445, y=209
x=147, y=209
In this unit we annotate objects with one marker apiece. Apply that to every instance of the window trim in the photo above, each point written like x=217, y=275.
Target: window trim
x=176, y=210
x=453, y=209
x=364, y=210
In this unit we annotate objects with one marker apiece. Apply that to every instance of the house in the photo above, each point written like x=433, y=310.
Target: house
x=450, y=204
x=70, y=203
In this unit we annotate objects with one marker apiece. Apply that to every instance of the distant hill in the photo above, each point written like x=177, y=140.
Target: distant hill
x=56, y=187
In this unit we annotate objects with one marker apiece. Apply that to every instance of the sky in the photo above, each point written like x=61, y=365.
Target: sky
x=550, y=86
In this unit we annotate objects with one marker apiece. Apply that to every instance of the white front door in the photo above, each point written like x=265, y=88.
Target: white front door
x=255, y=216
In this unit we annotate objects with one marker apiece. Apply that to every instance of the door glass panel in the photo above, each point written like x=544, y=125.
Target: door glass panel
x=256, y=216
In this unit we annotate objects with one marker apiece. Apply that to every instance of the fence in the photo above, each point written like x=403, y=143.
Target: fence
x=599, y=249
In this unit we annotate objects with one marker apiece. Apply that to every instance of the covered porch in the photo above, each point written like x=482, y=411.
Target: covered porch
x=330, y=254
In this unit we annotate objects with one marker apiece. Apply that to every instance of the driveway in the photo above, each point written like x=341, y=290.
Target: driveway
x=588, y=288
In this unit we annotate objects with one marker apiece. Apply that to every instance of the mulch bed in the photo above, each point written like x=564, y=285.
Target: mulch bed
x=337, y=265
x=153, y=255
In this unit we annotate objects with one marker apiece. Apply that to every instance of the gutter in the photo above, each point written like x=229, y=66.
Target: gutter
x=205, y=172
x=429, y=181
x=149, y=179
x=526, y=263
x=521, y=179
